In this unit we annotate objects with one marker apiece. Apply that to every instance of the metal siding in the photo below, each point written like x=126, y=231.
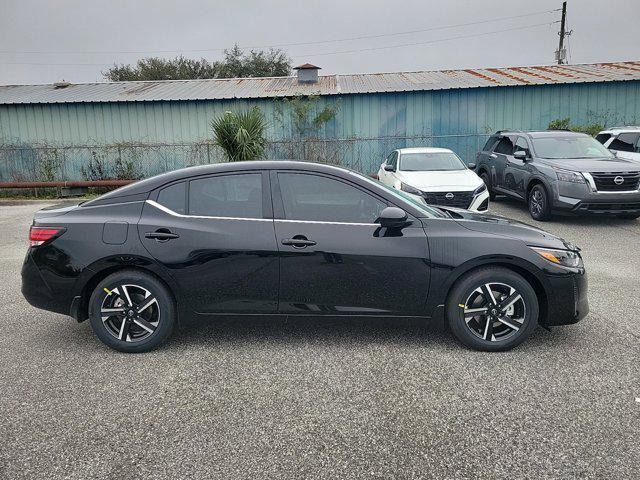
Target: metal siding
x=372, y=124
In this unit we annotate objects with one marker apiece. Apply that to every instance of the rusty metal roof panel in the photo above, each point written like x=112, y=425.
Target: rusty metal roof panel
x=233, y=88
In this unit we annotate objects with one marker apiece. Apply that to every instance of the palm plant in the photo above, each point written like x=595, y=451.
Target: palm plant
x=240, y=135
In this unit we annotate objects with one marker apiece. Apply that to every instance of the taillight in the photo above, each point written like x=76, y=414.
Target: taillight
x=39, y=235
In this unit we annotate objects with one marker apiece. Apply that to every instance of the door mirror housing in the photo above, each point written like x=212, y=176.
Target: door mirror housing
x=389, y=168
x=393, y=217
x=521, y=155
x=471, y=166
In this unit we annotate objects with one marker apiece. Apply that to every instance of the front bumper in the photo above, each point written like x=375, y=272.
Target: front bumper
x=567, y=301
x=579, y=199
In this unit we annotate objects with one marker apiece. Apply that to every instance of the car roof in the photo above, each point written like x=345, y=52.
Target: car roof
x=543, y=133
x=423, y=150
x=140, y=190
x=626, y=129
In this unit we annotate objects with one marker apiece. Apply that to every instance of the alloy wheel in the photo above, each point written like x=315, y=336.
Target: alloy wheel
x=495, y=312
x=130, y=312
x=536, y=205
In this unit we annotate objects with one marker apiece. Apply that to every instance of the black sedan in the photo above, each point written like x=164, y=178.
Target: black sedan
x=293, y=238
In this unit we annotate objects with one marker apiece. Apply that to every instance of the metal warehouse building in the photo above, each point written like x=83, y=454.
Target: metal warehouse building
x=54, y=131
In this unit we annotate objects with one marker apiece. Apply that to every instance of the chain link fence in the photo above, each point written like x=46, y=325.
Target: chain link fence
x=134, y=161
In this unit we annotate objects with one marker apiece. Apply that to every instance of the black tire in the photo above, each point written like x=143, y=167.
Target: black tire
x=487, y=181
x=485, y=331
x=631, y=216
x=154, y=311
x=539, y=204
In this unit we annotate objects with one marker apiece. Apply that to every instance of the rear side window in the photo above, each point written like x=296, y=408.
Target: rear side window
x=625, y=142
x=174, y=197
x=603, y=137
x=237, y=196
x=318, y=198
x=504, y=146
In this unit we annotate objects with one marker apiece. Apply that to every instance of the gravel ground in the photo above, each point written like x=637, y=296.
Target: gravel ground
x=322, y=398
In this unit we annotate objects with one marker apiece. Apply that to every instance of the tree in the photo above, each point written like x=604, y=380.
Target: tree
x=236, y=63
x=240, y=135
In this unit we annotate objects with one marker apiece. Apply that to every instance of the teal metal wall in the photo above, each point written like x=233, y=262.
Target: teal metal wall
x=365, y=128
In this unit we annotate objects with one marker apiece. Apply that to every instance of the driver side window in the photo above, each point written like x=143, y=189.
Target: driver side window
x=392, y=160
x=318, y=198
x=521, y=144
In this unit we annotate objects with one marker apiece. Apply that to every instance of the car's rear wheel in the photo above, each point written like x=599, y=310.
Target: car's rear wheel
x=487, y=181
x=538, y=202
x=131, y=311
x=492, y=309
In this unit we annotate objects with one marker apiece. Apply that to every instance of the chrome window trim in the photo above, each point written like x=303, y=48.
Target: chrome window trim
x=182, y=215
x=321, y=222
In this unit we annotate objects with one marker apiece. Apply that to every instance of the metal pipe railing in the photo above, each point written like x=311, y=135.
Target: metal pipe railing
x=67, y=184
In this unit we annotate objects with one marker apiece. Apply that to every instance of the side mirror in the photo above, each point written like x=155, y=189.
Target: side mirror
x=393, y=217
x=521, y=155
x=471, y=166
x=389, y=168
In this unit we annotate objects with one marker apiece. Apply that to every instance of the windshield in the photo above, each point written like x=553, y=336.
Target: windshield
x=569, y=147
x=423, y=162
x=423, y=207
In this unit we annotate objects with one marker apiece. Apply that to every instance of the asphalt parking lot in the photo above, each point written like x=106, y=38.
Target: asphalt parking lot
x=324, y=398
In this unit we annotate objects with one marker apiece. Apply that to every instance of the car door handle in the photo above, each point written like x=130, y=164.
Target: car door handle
x=161, y=235
x=298, y=242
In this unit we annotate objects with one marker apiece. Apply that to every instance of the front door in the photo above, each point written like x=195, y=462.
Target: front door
x=516, y=170
x=215, y=237
x=334, y=258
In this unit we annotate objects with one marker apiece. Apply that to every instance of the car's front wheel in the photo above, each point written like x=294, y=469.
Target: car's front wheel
x=484, y=176
x=131, y=311
x=492, y=309
x=539, y=205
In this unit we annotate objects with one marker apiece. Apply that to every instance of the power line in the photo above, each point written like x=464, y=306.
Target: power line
x=439, y=40
x=277, y=45
x=427, y=42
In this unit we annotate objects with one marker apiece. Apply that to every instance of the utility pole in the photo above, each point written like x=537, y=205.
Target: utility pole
x=561, y=53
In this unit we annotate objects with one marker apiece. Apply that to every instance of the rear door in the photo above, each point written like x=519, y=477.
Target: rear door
x=215, y=237
x=334, y=258
x=503, y=153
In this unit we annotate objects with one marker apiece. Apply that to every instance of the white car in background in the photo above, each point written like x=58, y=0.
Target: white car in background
x=435, y=175
x=623, y=141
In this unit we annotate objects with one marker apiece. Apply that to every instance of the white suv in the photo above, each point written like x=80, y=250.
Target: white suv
x=624, y=141
x=436, y=176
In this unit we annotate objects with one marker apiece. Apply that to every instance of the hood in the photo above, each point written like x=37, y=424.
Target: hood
x=596, y=165
x=506, y=227
x=434, y=181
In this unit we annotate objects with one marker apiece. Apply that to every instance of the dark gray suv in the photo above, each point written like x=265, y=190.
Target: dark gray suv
x=559, y=171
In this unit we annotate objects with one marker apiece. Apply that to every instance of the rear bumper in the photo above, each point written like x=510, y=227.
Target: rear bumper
x=567, y=301
x=39, y=293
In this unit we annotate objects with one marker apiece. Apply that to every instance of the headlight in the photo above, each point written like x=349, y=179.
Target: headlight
x=566, y=258
x=409, y=189
x=565, y=176
x=479, y=190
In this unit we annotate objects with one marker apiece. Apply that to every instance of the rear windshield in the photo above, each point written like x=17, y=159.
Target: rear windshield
x=569, y=147
x=421, y=162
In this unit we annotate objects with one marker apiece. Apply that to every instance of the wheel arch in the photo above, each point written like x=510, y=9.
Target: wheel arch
x=523, y=268
x=533, y=181
x=103, y=270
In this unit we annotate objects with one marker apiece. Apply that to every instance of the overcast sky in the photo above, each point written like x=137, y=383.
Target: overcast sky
x=45, y=41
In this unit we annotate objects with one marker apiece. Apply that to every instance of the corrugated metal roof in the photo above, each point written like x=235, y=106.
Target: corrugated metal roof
x=218, y=89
